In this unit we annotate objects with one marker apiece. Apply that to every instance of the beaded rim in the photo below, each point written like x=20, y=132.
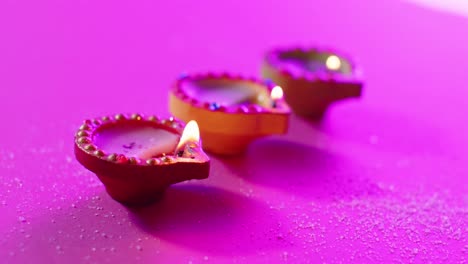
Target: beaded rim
x=273, y=59
x=85, y=133
x=267, y=85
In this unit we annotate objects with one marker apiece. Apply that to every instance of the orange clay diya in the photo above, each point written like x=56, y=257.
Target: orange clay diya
x=137, y=158
x=232, y=111
x=312, y=79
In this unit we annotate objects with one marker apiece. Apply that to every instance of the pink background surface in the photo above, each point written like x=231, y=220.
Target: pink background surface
x=383, y=179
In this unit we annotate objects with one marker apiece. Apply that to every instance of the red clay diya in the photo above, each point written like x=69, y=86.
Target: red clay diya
x=313, y=78
x=137, y=158
x=232, y=111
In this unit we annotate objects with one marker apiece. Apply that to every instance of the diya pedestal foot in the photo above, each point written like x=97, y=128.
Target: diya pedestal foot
x=232, y=111
x=312, y=79
x=137, y=158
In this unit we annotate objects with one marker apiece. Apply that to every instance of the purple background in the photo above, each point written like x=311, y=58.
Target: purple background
x=381, y=179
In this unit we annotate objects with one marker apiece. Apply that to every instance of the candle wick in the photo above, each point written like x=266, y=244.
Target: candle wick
x=186, y=150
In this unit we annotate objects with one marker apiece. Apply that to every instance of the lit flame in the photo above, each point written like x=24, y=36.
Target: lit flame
x=333, y=63
x=276, y=93
x=191, y=134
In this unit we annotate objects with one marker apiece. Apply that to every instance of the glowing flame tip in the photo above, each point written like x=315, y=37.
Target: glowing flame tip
x=277, y=93
x=333, y=63
x=191, y=133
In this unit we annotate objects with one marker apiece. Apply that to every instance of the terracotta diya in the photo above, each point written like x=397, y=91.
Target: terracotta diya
x=137, y=158
x=313, y=78
x=232, y=111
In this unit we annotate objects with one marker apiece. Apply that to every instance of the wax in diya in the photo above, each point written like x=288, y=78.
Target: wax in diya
x=232, y=111
x=137, y=158
x=313, y=78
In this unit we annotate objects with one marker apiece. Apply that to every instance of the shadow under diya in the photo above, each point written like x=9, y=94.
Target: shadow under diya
x=232, y=111
x=313, y=78
x=137, y=158
x=213, y=221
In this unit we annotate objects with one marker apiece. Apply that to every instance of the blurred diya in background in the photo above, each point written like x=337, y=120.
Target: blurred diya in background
x=232, y=111
x=312, y=79
x=137, y=158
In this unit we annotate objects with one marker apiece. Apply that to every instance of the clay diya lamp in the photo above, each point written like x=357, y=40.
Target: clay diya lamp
x=312, y=79
x=137, y=158
x=232, y=111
